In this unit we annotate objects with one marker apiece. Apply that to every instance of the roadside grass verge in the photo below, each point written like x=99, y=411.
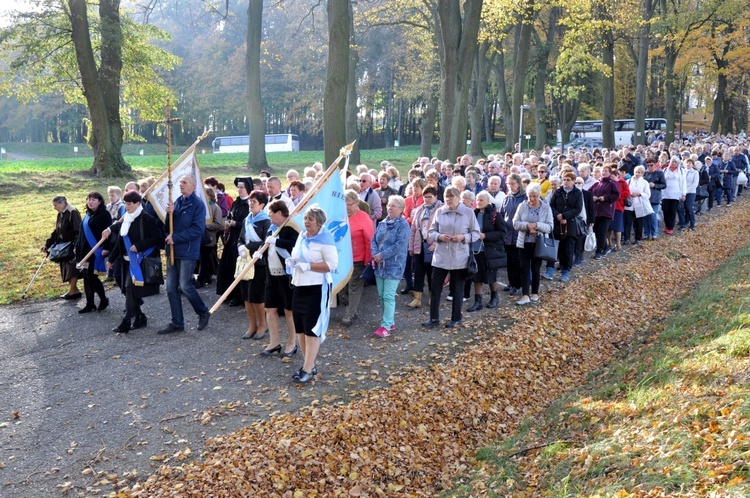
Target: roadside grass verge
x=670, y=417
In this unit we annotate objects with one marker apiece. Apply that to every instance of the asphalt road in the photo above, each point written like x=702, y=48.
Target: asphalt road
x=84, y=410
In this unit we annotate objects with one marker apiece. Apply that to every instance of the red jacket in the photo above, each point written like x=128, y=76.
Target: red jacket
x=624, y=194
x=362, y=231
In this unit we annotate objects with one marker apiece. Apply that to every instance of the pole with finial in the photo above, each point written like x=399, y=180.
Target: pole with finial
x=168, y=124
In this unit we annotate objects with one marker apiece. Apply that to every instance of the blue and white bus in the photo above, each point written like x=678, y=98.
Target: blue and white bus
x=624, y=129
x=280, y=142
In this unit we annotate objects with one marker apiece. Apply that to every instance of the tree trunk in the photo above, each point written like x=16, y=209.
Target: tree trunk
x=721, y=92
x=427, y=126
x=337, y=75
x=670, y=100
x=459, y=38
x=502, y=97
x=101, y=87
x=481, y=70
x=256, y=158
x=644, y=40
x=608, y=92
x=567, y=113
x=521, y=59
x=352, y=110
x=388, y=126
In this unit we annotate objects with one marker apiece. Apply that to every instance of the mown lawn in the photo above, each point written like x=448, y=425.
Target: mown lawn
x=671, y=417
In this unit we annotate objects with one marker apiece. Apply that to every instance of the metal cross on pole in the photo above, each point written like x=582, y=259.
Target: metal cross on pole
x=168, y=124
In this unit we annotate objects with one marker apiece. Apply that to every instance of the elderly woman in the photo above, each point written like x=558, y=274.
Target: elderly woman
x=115, y=208
x=385, y=191
x=453, y=230
x=674, y=192
x=233, y=224
x=97, y=220
x=252, y=237
x=516, y=195
x=692, y=179
x=419, y=249
x=209, y=259
x=362, y=231
x=657, y=183
x=278, y=284
x=533, y=217
x=605, y=193
x=566, y=205
x=640, y=205
x=313, y=258
x=488, y=250
x=389, y=253
x=617, y=226
x=67, y=226
x=139, y=235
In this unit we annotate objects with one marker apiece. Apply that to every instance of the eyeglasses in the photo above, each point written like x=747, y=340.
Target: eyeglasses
x=364, y=181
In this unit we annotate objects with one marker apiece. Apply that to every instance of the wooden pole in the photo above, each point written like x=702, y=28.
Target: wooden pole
x=333, y=168
x=168, y=123
x=90, y=253
x=179, y=160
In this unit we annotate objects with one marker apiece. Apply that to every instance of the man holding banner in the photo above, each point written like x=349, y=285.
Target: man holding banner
x=189, y=213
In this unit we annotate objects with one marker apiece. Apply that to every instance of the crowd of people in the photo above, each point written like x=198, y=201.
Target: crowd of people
x=451, y=225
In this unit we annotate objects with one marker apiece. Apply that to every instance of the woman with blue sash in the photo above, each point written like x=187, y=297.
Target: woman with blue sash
x=139, y=237
x=97, y=219
x=253, y=291
x=313, y=259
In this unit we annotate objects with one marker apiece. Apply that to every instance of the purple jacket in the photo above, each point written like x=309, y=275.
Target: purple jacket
x=607, y=188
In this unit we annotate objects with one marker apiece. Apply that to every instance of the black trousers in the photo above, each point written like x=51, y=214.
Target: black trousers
x=421, y=270
x=92, y=285
x=669, y=206
x=514, y=266
x=601, y=225
x=530, y=268
x=566, y=252
x=458, y=279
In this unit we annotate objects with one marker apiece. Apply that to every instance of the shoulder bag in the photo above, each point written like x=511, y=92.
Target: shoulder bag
x=241, y=264
x=546, y=248
x=62, y=252
x=472, y=266
x=151, y=265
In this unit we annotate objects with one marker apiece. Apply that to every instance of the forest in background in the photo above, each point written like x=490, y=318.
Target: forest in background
x=575, y=60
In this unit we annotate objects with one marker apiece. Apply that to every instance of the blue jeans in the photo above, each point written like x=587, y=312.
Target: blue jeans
x=387, y=288
x=690, y=210
x=180, y=279
x=652, y=222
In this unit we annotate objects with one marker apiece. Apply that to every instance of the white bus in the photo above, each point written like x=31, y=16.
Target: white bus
x=624, y=129
x=280, y=142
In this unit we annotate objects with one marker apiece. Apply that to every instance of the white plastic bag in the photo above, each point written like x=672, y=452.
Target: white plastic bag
x=742, y=178
x=590, y=243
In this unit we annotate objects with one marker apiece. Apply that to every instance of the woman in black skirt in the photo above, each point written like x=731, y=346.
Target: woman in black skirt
x=97, y=219
x=251, y=239
x=233, y=225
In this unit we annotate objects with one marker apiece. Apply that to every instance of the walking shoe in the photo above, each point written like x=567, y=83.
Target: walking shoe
x=392, y=328
x=170, y=329
x=534, y=298
x=565, y=276
x=382, y=332
x=449, y=298
x=607, y=251
x=668, y=231
x=598, y=256
x=577, y=263
x=203, y=321
x=347, y=321
x=523, y=300
x=549, y=273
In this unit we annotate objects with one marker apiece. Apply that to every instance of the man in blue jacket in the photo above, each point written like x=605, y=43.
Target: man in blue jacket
x=189, y=224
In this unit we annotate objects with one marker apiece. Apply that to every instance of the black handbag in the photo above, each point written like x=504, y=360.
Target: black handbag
x=546, y=248
x=471, y=265
x=628, y=202
x=62, y=252
x=580, y=226
x=701, y=192
x=151, y=269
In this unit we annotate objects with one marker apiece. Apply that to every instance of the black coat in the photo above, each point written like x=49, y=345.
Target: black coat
x=588, y=204
x=98, y=222
x=286, y=239
x=570, y=205
x=225, y=272
x=494, y=230
x=143, y=233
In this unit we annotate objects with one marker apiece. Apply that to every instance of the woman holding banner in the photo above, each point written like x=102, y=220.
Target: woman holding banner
x=251, y=239
x=233, y=223
x=139, y=236
x=313, y=258
x=97, y=219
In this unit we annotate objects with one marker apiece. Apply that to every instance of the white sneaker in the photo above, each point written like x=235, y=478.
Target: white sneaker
x=449, y=298
x=523, y=300
x=534, y=298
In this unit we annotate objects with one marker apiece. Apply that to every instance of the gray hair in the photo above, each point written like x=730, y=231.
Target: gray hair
x=351, y=195
x=534, y=187
x=59, y=199
x=639, y=168
x=316, y=213
x=399, y=201
x=452, y=191
x=484, y=195
x=468, y=194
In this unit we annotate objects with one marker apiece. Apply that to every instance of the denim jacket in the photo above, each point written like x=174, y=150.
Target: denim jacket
x=391, y=242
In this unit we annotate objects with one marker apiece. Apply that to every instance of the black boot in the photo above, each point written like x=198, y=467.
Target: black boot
x=140, y=321
x=406, y=290
x=124, y=327
x=494, y=300
x=477, y=303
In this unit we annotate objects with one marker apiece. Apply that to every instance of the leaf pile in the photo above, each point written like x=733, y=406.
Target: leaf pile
x=413, y=438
